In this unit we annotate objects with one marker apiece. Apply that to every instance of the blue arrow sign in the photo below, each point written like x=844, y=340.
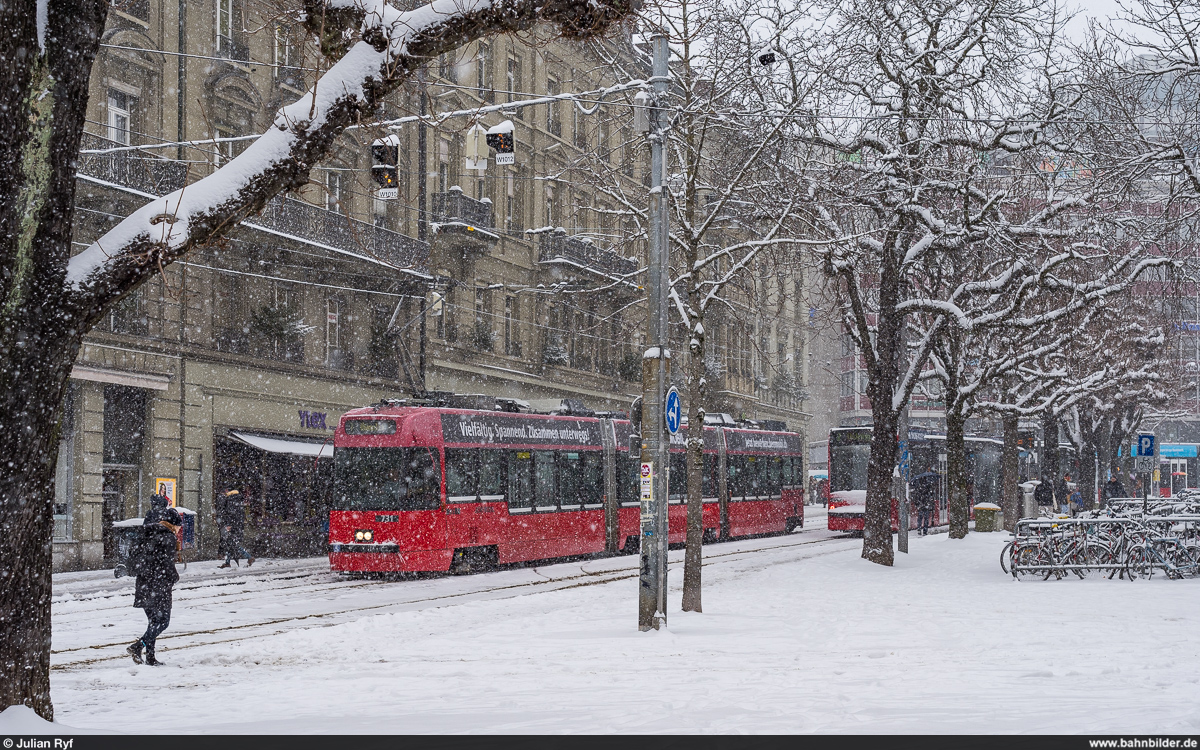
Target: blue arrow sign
x=674, y=413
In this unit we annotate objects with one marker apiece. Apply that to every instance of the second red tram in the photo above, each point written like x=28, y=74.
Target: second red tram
x=422, y=488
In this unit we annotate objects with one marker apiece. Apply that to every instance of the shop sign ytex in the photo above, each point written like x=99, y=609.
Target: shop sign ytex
x=312, y=420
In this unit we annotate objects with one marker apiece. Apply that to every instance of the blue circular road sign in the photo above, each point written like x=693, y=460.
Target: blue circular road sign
x=674, y=411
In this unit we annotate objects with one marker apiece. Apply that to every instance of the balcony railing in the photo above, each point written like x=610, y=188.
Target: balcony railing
x=140, y=170
x=149, y=173
x=559, y=246
x=452, y=206
x=309, y=222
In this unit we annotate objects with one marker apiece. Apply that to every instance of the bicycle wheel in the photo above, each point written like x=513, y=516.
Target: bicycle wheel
x=1028, y=555
x=1006, y=557
x=1138, y=563
x=1190, y=564
x=1098, y=553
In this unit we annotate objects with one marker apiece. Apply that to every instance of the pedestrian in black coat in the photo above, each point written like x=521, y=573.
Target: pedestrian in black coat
x=154, y=565
x=925, y=498
x=1114, y=488
x=1043, y=495
x=231, y=515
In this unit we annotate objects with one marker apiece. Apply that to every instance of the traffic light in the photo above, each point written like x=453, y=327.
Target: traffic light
x=385, y=154
x=500, y=138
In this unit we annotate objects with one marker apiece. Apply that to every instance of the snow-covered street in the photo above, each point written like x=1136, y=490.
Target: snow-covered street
x=799, y=635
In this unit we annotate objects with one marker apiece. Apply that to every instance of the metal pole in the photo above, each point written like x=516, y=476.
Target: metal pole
x=652, y=589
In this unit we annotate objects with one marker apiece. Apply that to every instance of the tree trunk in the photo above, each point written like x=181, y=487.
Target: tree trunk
x=697, y=396
x=1010, y=468
x=956, y=474
x=1050, y=454
x=877, y=521
x=1087, y=475
x=33, y=387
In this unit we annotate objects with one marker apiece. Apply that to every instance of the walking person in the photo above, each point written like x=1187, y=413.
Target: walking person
x=231, y=516
x=924, y=497
x=1114, y=488
x=153, y=559
x=1062, y=493
x=1043, y=495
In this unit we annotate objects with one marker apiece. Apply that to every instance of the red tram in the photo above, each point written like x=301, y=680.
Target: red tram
x=428, y=488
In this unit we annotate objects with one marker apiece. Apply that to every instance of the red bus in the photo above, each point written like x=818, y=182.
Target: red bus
x=431, y=488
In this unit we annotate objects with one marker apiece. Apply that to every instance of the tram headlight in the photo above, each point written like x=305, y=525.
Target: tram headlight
x=358, y=535
x=368, y=535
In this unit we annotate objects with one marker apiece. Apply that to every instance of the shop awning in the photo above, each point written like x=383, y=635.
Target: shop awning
x=280, y=445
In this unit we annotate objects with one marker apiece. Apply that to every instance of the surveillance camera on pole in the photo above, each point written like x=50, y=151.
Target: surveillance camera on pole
x=385, y=154
x=500, y=138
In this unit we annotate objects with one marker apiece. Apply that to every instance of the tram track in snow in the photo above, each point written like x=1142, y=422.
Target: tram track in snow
x=86, y=655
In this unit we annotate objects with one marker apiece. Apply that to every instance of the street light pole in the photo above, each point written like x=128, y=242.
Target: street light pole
x=652, y=588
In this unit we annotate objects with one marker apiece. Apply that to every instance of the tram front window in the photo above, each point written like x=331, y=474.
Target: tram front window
x=386, y=479
x=849, y=469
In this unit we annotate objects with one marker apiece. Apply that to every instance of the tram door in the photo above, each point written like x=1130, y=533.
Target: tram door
x=1178, y=476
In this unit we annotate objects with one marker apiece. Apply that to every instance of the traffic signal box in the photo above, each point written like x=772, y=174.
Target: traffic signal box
x=385, y=154
x=503, y=144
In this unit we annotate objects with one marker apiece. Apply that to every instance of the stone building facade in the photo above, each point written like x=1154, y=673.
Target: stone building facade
x=232, y=368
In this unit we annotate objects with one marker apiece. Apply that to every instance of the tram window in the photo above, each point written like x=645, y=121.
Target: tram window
x=772, y=474
x=736, y=469
x=754, y=480
x=592, y=473
x=677, y=479
x=569, y=476
x=785, y=466
x=492, y=481
x=708, y=486
x=386, y=479
x=544, y=490
x=627, y=478
x=520, y=481
x=462, y=474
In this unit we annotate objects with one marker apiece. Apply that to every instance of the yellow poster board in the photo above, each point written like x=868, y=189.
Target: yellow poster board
x=165, y=486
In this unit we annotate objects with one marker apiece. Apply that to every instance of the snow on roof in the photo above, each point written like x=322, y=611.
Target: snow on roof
x=504, y=127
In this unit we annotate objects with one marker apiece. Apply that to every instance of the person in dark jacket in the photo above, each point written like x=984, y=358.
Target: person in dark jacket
x=232, y=518
x=1114, y=488
x=925, y=498
x=1043, y=495
x=1062, y=492
x=156, y=575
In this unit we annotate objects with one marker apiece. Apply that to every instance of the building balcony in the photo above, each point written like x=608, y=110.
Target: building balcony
x=452, y=207
x=558, y=247
x=140, y=170
x=318, y=225
x=148, y=173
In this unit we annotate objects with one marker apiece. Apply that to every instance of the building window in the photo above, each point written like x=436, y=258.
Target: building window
x=64, y=471
x=333, y=190
x=225, y=28
x=514, y=82
x=226, y=149
x=553, y=113
x=847, y=384
x=284, y=52
x=120, y=107
x=333, y=327
x=605, y=147
x=483, y=74
x=448, y=67
x=580, y=129
x=512, y=336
